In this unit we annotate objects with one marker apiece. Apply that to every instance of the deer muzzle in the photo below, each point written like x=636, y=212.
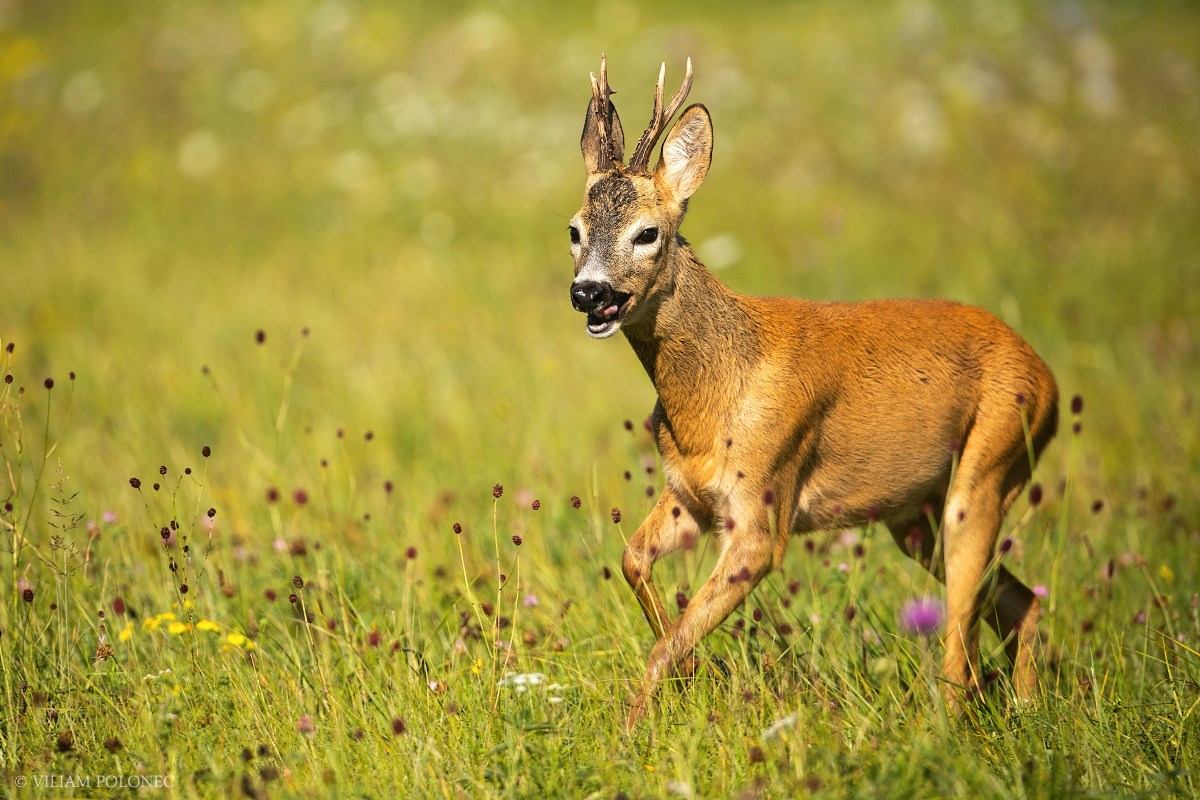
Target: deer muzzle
x=605, y=306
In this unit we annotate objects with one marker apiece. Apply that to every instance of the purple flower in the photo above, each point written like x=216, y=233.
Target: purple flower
x=108, y=517
x=923, y=616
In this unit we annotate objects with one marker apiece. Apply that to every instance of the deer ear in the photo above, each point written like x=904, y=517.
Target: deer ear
x=595, y=158
x=687, y=152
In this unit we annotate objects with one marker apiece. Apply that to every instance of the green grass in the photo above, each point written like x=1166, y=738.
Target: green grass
x=396, y=182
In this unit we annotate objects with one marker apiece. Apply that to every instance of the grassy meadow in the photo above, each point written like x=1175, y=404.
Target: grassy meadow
x=310, y=470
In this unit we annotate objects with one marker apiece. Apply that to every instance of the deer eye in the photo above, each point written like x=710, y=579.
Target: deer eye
x=648, y=236
x=574, y=234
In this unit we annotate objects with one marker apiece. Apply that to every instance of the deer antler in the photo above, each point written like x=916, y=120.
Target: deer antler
x=658, y=123
x=602, y=110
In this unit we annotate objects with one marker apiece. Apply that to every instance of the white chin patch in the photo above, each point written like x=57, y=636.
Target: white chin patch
x=604, y=329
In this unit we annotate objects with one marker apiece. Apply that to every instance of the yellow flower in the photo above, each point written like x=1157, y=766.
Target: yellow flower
x=236, y=639
x=176, y=628
x=126, y=633
x=477, y=667
x=151, y=623
x=1167, y=573
x=207, y=625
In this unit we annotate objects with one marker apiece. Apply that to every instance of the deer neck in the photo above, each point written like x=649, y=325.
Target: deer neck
x=697, y=344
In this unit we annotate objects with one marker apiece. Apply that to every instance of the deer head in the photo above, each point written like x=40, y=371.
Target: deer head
x=625, y=239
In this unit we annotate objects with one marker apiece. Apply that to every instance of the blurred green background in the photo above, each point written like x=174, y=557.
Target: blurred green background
x=397, y=178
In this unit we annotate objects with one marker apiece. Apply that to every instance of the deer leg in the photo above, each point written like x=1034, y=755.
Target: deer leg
x=667, y=528
x=744, y=562
x=1011, y=610
x=1014, y=612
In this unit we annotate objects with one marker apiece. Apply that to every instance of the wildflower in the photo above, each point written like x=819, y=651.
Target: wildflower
x=1035, y=494
x=536, y=505
x=1076, y=405
x=497, y=491
x=410, y=553
x=49, y=383
x=457, y=527
x=207, y=625
x=297, y=581
x=922, y=616
x=135, y=483
x=206, y=451
x=260, y=336
x=616, y=515
x=575, y=501
x=176, y=628
x=108, y=517
x=305, y=725
x=236, y=639
x=531, y=601
x=516, y=539
x=126, y=633
x=300, y=497
x=399, y=726
x=1166, y=573
x=521, y=682
x=1040, y=590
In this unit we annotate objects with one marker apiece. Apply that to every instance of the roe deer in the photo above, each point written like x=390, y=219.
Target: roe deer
x=778, y=416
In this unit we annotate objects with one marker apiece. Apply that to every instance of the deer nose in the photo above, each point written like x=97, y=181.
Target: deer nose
x=587, y=296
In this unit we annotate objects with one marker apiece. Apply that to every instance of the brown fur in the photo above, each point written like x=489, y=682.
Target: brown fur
x=779, y=416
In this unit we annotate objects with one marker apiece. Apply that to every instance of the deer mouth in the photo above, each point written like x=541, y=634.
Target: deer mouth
x=604, y=320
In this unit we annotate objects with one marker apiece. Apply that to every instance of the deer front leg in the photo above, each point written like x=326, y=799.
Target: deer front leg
x=744, y=562
x=668, y=527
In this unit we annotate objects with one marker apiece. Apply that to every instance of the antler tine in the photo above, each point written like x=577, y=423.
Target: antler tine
x=658, y=123
x=600, y=108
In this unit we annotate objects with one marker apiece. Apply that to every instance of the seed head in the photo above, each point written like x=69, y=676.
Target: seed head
x=212, y=512
x=118, y=606
x=260, y=336
x=535, y=505
x=27, y=595
x=399, y=727
x=516, y=539
x=300, y=497
x=575, y=501
x=497, y=491
x=1077, y=405
x=410, y=553
x=457, y=527
x=206, y=451
x=1035, y=494
x=135, y=483
x=162, y=470
x=48, y=383
x=616, y=515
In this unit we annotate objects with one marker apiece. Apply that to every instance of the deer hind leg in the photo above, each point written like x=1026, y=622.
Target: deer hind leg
x=667, y=528
x=744, y=562
x=1011, y=610
x=993, y=468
